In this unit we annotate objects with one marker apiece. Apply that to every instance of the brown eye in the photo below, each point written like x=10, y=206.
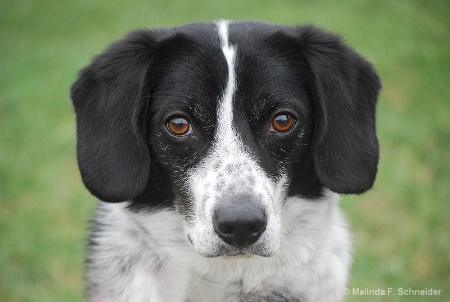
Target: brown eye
x=283, y=123
x=179, y=126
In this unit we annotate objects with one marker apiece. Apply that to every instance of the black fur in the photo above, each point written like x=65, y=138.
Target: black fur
x=110, y=100
x=345, y=90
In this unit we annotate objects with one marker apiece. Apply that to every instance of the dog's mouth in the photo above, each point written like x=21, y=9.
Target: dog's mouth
x=241, y=253
x=229, y=251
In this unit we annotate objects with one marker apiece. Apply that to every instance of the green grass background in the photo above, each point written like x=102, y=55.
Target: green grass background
x=401, y=228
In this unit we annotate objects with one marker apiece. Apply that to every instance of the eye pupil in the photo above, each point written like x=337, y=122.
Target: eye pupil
x=283, y=123
x=178, y=126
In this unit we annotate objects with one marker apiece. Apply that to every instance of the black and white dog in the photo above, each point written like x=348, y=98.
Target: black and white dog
x=218, y=150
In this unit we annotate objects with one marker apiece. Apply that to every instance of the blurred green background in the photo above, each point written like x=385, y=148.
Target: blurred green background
x=401, y=228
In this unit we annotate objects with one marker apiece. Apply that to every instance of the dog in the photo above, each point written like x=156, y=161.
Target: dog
x=218, y=152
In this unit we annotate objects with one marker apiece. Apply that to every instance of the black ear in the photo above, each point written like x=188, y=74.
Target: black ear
x=345, y=90
x=110, y=100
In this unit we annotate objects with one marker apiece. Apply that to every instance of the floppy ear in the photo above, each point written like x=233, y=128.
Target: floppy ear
x=345, y=90
x=110, y=101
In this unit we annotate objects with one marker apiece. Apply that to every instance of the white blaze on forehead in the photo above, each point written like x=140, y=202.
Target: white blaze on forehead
x=226, y=135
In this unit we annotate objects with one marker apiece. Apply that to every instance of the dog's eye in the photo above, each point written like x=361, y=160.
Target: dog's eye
x=283, y=123
x=179, y=126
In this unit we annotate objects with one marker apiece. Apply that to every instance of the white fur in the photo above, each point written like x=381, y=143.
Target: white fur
x=312, y=261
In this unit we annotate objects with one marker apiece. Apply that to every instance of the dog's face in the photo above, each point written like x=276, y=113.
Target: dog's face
x=224, y=122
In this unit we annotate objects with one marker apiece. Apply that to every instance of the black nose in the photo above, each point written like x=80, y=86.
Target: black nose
x=240, y=224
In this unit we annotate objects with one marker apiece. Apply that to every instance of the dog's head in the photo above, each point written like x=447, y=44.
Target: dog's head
x=225, y=121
